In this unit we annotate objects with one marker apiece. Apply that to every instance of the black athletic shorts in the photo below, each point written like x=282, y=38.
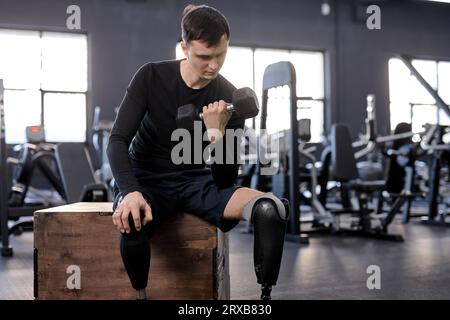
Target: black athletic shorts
x=191, y=191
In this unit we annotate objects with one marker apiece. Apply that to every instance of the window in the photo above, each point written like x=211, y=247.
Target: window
x=45, y=80
x=409, y=101
x=244, y=67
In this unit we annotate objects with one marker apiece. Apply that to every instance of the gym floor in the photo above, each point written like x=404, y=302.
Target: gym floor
x=330, y=267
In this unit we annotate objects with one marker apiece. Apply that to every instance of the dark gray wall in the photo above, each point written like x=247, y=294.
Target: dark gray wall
x=125, y=34
x=416, y=28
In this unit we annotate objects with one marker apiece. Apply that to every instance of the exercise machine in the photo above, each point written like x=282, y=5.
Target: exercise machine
x=434, y=145
x=344, y=170
x=12, y=200
x=277, y=75
x=101, y=130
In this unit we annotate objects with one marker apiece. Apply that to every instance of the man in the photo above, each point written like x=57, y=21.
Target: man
x=149, y=185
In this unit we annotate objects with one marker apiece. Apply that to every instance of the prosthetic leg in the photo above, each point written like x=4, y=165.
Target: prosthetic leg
x=136, y=253
x=269, y=216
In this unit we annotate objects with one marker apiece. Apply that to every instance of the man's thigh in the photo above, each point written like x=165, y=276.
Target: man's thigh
x=238, y=201
x=202, y=197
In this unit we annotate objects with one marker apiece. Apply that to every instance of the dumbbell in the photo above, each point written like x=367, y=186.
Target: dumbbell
x=244, y=106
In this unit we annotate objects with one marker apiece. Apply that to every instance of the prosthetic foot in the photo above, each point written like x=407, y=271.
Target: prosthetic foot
x=141, y=295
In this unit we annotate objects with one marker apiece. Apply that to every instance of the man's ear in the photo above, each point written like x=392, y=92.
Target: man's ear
x=185, y=49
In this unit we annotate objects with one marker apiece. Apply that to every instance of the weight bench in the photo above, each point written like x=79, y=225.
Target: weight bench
x=345, y=171
x=76, y=256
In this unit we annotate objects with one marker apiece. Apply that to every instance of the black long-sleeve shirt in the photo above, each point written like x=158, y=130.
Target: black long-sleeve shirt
x=141, y=135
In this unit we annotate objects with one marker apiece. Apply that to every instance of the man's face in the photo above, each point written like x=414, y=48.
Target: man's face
x=206, y=61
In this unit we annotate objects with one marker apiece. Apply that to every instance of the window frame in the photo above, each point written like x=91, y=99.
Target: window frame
x=412, y=104
x=87, y=93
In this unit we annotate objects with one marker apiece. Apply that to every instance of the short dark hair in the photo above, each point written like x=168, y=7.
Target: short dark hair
x=203, y=23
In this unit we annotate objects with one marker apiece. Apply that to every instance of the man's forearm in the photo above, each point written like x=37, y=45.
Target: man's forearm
x=120, y=163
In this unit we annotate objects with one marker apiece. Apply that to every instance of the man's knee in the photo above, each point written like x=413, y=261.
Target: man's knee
x=267, y=206
x=145, y=232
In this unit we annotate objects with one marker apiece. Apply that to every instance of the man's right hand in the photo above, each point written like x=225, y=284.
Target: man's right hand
x=132, y=203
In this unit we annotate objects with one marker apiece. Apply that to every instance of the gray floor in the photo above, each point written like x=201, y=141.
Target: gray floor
x=328, y=268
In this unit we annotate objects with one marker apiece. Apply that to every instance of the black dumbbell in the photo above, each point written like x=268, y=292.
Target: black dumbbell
x=244, y=106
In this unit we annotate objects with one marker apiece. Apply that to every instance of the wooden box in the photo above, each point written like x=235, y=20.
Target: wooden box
x=76, y=249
